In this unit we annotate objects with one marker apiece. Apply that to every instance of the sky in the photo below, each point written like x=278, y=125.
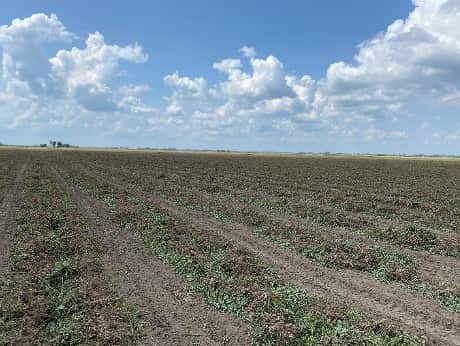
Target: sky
x=302, y=76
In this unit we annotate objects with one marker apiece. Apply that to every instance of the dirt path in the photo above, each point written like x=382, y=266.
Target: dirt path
x=8, y=211
x=145, y=281
x=422, y=316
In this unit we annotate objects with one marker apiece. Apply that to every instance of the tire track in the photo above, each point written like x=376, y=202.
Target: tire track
x=145, y=281
x=8, y=211
x=421, y=316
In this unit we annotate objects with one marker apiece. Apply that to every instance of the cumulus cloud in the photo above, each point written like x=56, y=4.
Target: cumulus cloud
x=76, y=81
x=189, y=95
x=228, y=66
x=24, y=62
x=256, y=94
x=187, y=87
x=304, y=88
x=85, y=72
x=130, y=99
x=415, y=59
x=132, y=89
x=267, y=80
x=248, y=52
x=419, y=56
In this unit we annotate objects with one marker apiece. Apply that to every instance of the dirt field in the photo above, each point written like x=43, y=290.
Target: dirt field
x=174, y=248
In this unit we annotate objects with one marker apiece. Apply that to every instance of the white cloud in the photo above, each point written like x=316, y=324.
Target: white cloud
x=256, y=99
x=85, y=72
x=266, y=81
x=304, y=88
x=416, y=57
x=414, y=60
x=248, y=52
x=228, y=66
x=187, y=87
x=132, y=89
x=38, y=28
x=23, y=58
x=189, y=94
x=61, y=89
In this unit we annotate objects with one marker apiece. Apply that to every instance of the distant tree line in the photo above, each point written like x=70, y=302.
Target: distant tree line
x=56, y=144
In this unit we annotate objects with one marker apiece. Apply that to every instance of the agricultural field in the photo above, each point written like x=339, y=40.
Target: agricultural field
x=171, y=248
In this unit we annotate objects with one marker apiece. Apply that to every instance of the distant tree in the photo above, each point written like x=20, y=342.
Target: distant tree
x=53, y=144
x=59, y=144
x=43, y=145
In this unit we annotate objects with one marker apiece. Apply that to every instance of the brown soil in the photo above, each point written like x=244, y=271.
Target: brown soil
x=433, y=268
x=174, y=318
x=422, y=316
x=8, y=211
x=375, y=220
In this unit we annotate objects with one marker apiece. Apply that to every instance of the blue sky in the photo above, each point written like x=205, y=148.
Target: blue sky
x=355, y=76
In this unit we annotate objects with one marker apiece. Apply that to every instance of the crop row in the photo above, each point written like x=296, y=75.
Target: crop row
x=8, y=167
x=233, y=280
x=415, y=191
x=383, y=263
x=55, y=292
x=403, y=235
x=167, y=178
